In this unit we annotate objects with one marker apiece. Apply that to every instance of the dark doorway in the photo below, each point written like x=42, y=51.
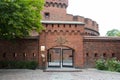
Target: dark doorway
x=60, y=57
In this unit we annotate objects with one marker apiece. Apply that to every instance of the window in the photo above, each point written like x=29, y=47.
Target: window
x=4, y=55
x=52, y=25
x=47, y=15
x=104, y=54
x=75, y=18
x=64, y=25
x=95, y=55
x=87, y=54
x=24, y=55
x=58, y=25
x=75, y=25
x=113, y=54
x=14, y=54
x=70, y=25
x=34, y=54
x=46, y=25
x=86, y=20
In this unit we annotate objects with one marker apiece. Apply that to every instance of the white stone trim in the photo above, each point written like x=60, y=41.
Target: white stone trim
x=63, y=22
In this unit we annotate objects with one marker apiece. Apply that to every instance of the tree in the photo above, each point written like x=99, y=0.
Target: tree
x=19, y=17
x=113, y=32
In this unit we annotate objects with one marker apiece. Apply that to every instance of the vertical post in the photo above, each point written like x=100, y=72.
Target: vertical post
x=61, y=60
x=43, y=56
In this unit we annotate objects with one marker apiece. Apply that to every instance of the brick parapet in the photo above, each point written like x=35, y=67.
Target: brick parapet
x=58, y=1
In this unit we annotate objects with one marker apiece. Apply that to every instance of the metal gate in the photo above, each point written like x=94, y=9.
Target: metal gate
x=60, y=57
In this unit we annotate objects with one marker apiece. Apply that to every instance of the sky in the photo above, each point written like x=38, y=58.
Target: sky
x=105, y=12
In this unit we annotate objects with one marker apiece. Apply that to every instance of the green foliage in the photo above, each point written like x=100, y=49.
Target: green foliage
x=109, y=64
x=100, y=64
x=18, y=64
x=32, y=65
x=118, y=67
x=113, y=32
x=19, y=17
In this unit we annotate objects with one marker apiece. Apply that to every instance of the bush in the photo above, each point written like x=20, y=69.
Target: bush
x=109, y=64
x=18, y=64
x=118, y=67
x=33, y=65
x=100, y=64
x=4, y=64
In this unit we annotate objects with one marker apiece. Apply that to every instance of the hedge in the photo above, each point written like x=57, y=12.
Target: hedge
x=18, y=64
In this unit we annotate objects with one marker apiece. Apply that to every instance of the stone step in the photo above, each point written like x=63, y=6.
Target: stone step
x=62, y=70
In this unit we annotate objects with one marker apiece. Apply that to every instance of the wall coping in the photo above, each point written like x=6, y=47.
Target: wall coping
x=101, y=38
x=62, y=22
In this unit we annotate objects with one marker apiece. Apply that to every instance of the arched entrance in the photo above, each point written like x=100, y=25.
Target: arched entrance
x=60, y=57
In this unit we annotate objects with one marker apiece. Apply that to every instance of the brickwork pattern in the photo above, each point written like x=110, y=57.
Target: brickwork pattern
x=100, y=49
x=19, y=50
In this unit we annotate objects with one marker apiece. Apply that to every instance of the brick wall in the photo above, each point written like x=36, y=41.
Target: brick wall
x=70, y=33
x=100, y=48
x=23, y=49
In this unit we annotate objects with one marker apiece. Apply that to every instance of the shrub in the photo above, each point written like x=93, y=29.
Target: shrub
x=18, y=64
x=109, y=64
x=100, y=64
x=118, y=67
x=4, y=64
x=33, y=65
x=112, y=64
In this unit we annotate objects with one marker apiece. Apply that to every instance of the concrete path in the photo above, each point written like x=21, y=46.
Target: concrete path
x=86, y=74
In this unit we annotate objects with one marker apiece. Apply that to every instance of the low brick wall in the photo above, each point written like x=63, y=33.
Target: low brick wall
x=22, y=49
x=100, y=48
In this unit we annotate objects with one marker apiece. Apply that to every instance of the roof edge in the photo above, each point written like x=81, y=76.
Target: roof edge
x=62, y=22
x=101, y=38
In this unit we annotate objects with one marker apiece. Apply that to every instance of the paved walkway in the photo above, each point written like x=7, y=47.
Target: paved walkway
x=86, y=74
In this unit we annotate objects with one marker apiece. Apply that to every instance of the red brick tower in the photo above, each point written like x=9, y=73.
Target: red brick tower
x=55, y=10
x=61, y=33
x=64, y=31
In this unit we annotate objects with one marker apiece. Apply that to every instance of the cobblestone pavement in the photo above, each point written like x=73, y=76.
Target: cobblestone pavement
x=86, y=74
